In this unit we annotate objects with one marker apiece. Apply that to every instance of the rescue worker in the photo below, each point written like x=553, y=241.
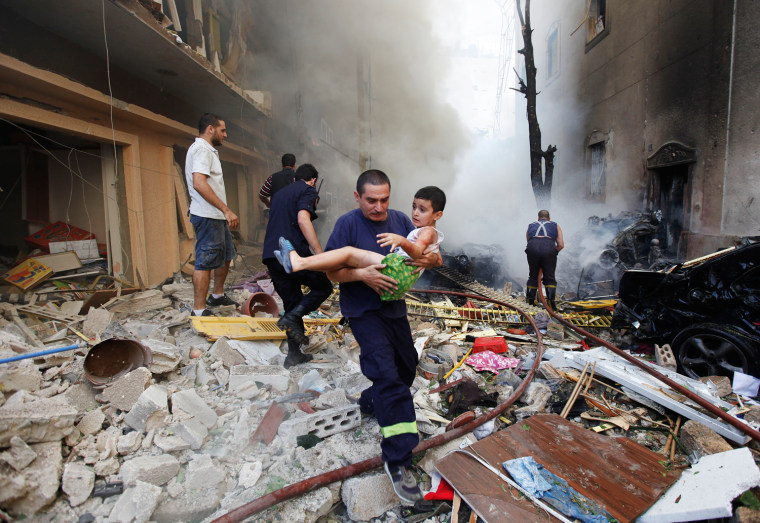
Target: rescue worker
x=545, y=240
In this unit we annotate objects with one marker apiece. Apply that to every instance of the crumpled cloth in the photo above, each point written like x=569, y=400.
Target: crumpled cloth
x=533, y=477
x=487, y=360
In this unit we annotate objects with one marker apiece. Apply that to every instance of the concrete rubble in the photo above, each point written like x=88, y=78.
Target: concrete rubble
x=172, y=441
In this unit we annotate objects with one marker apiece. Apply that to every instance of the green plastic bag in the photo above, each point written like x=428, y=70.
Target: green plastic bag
x=396, y=268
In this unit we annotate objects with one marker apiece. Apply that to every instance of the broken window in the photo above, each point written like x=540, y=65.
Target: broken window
x=597, y=24
x=596, y=175
x=552, y=52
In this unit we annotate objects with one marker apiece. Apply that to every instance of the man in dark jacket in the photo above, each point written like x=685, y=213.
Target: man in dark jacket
x=278, y=180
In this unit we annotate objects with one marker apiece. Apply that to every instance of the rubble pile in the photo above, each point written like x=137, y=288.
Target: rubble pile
x=203, y=426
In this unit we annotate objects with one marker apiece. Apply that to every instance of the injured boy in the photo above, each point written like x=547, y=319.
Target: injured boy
x=427, y=209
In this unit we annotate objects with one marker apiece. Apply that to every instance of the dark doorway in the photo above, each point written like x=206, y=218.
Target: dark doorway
x=668, y=196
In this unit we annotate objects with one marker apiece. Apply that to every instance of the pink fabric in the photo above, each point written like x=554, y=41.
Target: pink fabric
x=487, y=360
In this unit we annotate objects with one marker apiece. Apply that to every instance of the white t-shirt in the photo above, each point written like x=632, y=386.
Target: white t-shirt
x=203, y=158
x=412, y=237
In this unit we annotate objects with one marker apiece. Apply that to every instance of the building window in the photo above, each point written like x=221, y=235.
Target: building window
x=596, y=175
x=552, y=51
x=597, y=22
x=325, y=132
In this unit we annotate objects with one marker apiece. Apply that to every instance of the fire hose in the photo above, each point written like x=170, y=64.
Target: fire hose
x=321, y=480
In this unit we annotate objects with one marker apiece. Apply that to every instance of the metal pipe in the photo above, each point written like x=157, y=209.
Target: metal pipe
x=321, y=480
x=41, y=353
x=728, y=418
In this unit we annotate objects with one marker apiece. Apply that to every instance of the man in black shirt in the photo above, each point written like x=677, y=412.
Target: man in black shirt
x=292, y=211
x=278, y=180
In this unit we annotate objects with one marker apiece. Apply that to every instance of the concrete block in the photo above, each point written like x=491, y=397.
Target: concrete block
x=331, y=399
x=96, y=322
x=166, y=356
x=368, y=497
x=170, y=443
x=242, y=375
x=152, y=469
x=20, y=375
x=190, y=505
x=48, y=419
x=322, y=424
x=353, y=384
x=78, y=481
x=136, y=504
x=153, y=399
x=664, y=357
x=222, y=376
x=92, y=422
x=106, y=467
x=124, y=392
x=249, y=474
x=258, y=352
x=81, y=396
x=19, y=456
x=222, y=350
x=746, y=515
x=190, y=403
x=700, y=441
x=192, y=431
x=40, y=480
x=202, y=473
x=722, y=384
x=705, y=491
x=129, y=443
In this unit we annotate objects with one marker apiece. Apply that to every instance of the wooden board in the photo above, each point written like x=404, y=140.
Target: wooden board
x=60, y=262
x=182, y=205
x=27, y=274
x=621, y=475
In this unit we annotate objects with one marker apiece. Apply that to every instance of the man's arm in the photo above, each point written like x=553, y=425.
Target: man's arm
x=560, y=239
x=200, y=184
x=307, y=229
x=371, y=276
x=265, y=193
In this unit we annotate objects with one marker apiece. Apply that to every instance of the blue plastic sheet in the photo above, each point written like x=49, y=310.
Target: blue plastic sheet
x=534, y=478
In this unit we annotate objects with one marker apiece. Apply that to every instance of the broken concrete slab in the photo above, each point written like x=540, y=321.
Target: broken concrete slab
x=166, y=356
x=192, y=431
x=136, y=504
x=190, y=403
x=202, y=473
x=321, y=424
x=106, y=467
x=242, y=376
x=259, y=352
x=78, y=481
x=40, y=480
x=152, y=401
x=129, y=443
x=92, y=422
x=369, y=496
x=170, y=443
x=152, y=469
x=221, y=349
x=81, y=397
x=700, y=441
x=140, y=302
x=126, y=390
x=706, y=490
x=48, y=419
x=20, y=375
x=249, y=474
x=96, y=322
x=19, y=455
x=190, y=505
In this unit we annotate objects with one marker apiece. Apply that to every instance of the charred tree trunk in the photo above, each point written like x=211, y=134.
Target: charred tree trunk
x=541, y=162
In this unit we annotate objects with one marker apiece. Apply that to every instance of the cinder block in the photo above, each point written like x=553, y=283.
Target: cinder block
x=321, y=424
x=664, y=357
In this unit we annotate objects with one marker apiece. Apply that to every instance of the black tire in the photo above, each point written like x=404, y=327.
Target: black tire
x=715, y=350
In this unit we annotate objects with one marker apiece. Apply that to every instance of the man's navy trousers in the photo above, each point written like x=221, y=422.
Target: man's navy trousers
x=388, y=358
x=542, y=254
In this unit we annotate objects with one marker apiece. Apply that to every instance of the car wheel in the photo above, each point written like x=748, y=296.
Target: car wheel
x=715, y=350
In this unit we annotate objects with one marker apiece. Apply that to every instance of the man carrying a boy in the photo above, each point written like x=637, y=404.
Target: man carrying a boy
x=388, y=357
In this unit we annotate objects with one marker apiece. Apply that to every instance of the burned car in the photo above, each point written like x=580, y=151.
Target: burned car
x=707, y=309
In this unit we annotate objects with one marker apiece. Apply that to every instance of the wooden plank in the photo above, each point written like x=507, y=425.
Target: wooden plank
x=183, y=208
x=621, y=475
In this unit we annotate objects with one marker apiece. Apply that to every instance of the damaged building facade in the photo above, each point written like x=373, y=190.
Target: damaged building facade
x=100, y=101
x=665, y=112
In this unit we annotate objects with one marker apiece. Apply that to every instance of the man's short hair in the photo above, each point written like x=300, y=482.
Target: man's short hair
x=306, y=172
x=436, y=196
x=543, y=214
x=372, y=177
x=206, y=120
x=288, y=160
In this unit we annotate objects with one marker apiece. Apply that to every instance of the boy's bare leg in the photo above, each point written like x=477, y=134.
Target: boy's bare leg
x=336, y=259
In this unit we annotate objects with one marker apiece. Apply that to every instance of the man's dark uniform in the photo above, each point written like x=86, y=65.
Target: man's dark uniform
x=283, y=221
x=387, y=354
x=542, y=254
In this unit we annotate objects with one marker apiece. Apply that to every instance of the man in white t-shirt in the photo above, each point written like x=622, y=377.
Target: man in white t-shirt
x=209, y=214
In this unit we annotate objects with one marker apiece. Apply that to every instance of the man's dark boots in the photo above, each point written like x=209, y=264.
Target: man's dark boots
x=292, y=323
x=295, y=356
x=551, y=295
x=530, y=295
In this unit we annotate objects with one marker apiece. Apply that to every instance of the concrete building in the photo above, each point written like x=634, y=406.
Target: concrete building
x=653, y=105
x=100, y=100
